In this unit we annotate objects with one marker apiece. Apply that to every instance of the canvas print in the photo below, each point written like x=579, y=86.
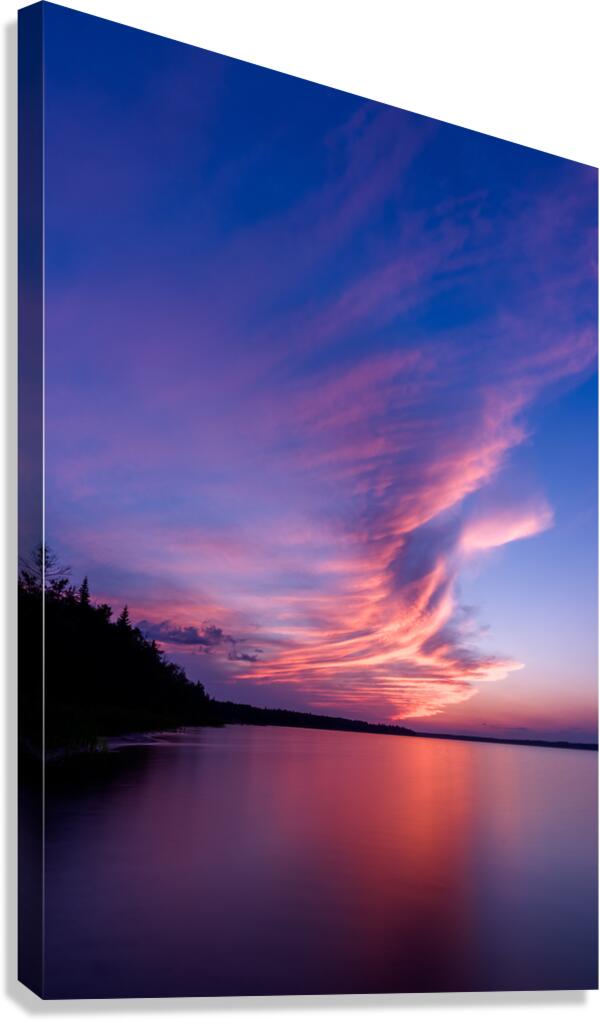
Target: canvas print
x=308, y=558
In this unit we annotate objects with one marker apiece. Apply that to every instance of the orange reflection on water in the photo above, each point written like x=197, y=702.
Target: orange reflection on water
x=272, y=860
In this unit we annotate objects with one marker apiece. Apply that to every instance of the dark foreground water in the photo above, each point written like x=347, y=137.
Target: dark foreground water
x=268, y=860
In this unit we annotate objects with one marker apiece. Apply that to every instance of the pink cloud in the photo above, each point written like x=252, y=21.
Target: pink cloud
x=299, y=470
x=504, y=527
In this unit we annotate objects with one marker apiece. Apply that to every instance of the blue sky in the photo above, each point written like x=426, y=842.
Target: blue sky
x=321, y=388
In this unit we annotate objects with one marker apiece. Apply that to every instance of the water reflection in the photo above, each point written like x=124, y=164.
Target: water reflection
x=266, y=860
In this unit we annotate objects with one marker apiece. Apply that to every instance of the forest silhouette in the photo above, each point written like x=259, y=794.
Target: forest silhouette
x=101, y=676
x=84, y=677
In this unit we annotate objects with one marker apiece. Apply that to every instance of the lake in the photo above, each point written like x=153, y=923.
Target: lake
x=254, y=860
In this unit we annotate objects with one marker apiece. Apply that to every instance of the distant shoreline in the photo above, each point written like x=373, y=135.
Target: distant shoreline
x=233, y=712
x=580, y=746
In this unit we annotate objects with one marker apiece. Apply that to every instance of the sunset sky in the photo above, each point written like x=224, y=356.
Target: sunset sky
x=321, y=389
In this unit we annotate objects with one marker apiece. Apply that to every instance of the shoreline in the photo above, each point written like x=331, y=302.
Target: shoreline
x=233, y=712
x=105, y=746
x=578, y=746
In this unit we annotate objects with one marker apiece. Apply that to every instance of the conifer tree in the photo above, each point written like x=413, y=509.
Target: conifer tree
x=84, y=592
x=124, y=620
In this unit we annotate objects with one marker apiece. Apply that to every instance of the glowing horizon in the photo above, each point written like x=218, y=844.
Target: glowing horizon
x=317, y=369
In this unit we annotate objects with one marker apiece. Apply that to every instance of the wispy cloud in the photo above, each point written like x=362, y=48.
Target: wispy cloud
x=287, y=424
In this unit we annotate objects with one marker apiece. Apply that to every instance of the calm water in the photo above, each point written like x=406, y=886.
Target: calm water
x=267, y=860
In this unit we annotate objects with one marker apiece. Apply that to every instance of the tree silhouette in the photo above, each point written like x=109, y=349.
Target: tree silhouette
x=42, y=571
x=99, y=678
x=124, y=621
x=84, y=592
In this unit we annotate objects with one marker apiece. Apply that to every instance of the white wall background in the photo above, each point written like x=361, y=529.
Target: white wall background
x=524, y=70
